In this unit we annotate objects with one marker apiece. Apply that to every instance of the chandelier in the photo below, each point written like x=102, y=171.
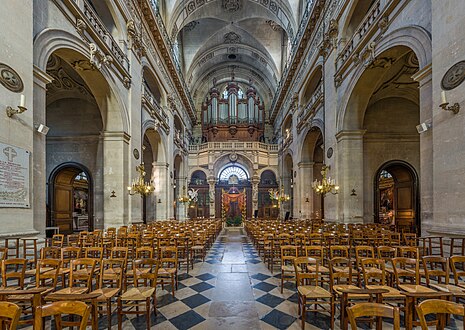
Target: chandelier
x=184, y=198
x=139, y=185
x=326, y=185
x=279, y=195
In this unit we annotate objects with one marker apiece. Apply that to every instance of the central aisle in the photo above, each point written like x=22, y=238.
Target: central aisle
x=232, y=289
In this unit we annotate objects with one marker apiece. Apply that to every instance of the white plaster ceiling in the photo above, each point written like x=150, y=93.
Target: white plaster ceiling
x=219, y=37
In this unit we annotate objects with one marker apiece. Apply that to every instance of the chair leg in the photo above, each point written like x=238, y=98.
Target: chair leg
x=120, y=313
x=109, y=314
x=304, y=302
x=282, y=281
x=147, y=312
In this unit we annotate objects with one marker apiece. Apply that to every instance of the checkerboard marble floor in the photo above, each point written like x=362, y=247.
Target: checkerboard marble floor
x=233, y=289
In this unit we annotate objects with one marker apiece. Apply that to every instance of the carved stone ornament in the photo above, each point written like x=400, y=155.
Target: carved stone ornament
x=135, y=152
x=232, y=5
x=233, y=157
x=232, y=38
x=454, y=76
x=10, y=79
x=329, y=152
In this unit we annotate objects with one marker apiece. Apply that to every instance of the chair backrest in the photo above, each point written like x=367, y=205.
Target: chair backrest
x=3, y=253
x=10, y=311
x=288, y=253
x=341, y=251
x=58, y=240
x=363, y=251
x=111, y=273
x=94, y=253
x=438, y=267
x=304, y=276
x=408, y=252
x=368, y=309
x=340, y=271
x=386, y=252
x=406, y=269
x=69, y=253
x=144, y=252
x=59, y=308
x=51, y=267
x=441, y=307
x=146, y=270
x=50, y=252
x=82, y=273
x=374, y=271
x=14, y=269
x=458, y=271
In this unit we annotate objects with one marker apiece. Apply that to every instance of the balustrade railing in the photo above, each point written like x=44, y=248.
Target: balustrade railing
x=361, y=32
x=215, y=146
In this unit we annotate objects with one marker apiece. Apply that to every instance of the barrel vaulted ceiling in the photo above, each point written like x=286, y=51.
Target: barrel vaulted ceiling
x=220, y=38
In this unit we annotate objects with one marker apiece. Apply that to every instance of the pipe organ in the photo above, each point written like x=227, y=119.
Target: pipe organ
x=233, y=115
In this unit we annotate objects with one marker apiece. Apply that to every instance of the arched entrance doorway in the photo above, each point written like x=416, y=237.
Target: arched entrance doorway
x=266, y=208
x=200, y=206
x=71, y=198
x=396, y=196
x=234, y=193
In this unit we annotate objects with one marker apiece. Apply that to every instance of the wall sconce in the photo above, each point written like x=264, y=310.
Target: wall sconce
x=113, y=194
x=353, y=193
x=455, y=108
x=10, y=111
x=159, y=201
x=307, y=200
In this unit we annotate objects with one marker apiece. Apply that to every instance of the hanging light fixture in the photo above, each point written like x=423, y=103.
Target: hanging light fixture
x=183, y=198
x=139, y=185
x=279, y=195
x=326, y=185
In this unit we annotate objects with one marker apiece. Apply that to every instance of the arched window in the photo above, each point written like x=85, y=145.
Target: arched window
x=231, y=171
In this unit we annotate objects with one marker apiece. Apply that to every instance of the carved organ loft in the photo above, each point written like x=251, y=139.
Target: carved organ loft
x=232, y=114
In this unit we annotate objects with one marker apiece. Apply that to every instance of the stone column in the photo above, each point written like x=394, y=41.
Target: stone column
x=424, y=78
x=182, y=207
x=162, y=187
x=39, y=185
x=255, y=182
x=211, y=191
x=304, y=186
x=117, y=176
x=349, y=176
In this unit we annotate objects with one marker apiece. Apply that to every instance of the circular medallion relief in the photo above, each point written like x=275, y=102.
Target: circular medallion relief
x=135, y=152
x=454, y=76
x=329, y=152
x=233, y=157
x=10, y=79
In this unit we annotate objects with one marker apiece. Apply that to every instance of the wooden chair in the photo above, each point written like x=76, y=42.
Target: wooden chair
x=374, y=275
x=47, y=270
x=59, y=308
x=14, y=269
x=457, y=264
x=9, y=313
x=288, y=254
x=373, y=310
x=68, y=254
x=308, y=288
x=57, y=240
x=437, y=267
x=137, y=300
x=80, y=277
x=440, y=307
x=110, y=284
x=168, y=272
x=50, y=252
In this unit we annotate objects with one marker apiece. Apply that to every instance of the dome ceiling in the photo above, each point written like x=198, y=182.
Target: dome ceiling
x=218, y=39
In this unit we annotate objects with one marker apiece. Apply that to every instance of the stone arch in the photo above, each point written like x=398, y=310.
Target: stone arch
x=313, y=82
x=393, y=40
x=153, y=81
x=355, y=15
x=110, y=17
x=243, y=160
x=63, y=43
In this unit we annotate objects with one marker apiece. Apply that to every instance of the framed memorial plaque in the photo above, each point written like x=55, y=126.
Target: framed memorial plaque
x=14, y=176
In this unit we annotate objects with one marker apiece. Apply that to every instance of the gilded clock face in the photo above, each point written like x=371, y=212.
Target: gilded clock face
x=233, y=157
